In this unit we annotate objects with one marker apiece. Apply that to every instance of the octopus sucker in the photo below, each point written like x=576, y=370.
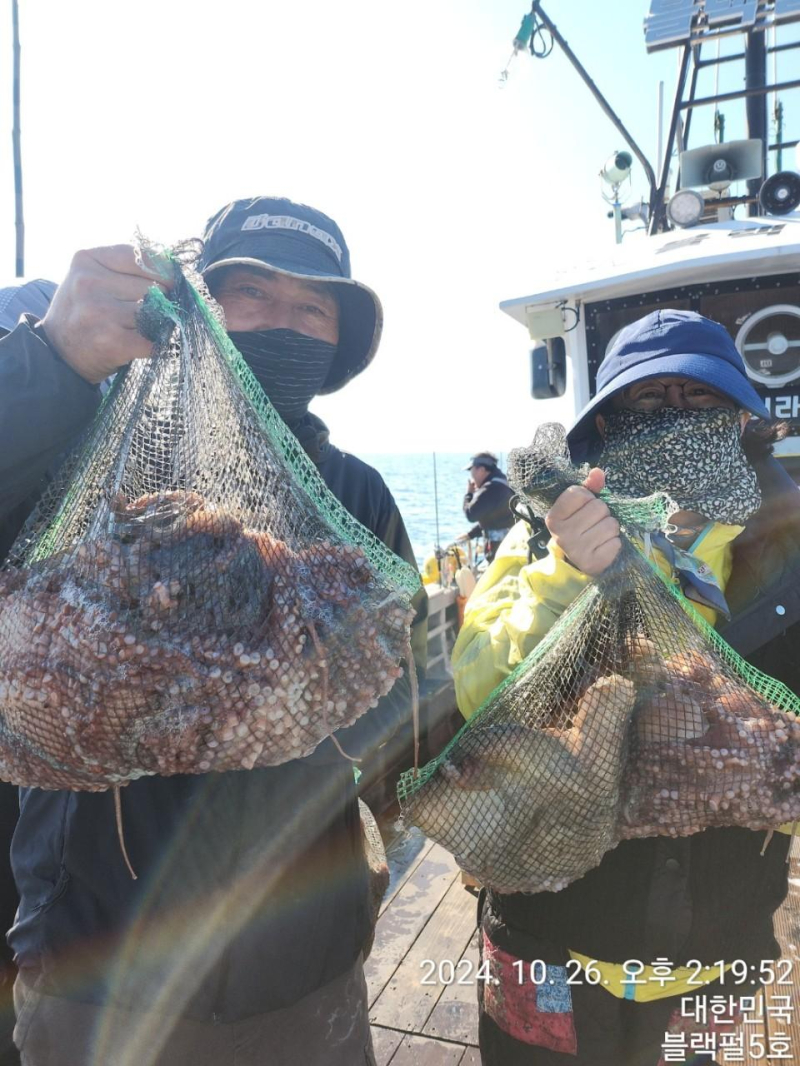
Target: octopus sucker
x=179, y=643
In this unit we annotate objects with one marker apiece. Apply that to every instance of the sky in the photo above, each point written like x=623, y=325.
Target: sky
x=454, y=192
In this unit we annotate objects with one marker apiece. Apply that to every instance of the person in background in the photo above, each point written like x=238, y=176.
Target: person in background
x=30, y=298
x=486, y=502
x=242, y=939
x=672, y=413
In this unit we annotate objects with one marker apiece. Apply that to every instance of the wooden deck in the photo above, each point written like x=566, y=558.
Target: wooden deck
x=429, y=914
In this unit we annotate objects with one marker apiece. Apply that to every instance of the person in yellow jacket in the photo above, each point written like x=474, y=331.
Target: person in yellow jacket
x=617, y=953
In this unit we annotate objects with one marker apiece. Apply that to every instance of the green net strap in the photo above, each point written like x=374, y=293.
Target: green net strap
x=341, y=522
x=85, y=457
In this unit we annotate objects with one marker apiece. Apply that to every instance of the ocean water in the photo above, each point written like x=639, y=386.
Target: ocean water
x=411, y=481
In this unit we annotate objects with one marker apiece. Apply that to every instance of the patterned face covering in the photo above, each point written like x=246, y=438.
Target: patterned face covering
x=695, y=456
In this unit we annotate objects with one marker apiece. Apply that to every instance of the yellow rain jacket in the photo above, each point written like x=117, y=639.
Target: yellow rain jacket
x=512, y=607
x=516, y=602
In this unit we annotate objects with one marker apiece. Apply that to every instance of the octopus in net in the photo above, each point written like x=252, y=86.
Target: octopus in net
x=706, y=750
x=531, y=809
x=182, y=642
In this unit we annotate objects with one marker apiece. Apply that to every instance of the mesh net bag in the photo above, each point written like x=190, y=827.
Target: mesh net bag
x=631, y=718
x=188, y=596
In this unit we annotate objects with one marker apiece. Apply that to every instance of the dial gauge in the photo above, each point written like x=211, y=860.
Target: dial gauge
x=769, y=342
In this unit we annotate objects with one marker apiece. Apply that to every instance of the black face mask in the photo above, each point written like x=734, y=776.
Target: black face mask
x=289, y=366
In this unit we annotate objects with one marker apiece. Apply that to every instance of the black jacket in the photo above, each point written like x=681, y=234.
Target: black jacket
x=489, y=508
x=251, y=887
x=709, y=896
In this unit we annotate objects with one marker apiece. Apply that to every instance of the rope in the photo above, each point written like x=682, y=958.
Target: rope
x=323, y=664
x=767, y=839
x=414, y=683
x=120, y=833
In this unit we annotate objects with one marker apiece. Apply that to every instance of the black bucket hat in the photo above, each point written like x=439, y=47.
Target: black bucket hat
x=301, y=242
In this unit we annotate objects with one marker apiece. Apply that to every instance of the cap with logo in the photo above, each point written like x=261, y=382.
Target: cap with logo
x=486, y=459
x=301, y=242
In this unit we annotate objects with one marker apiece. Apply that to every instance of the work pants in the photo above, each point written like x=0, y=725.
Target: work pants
x=329, y=1027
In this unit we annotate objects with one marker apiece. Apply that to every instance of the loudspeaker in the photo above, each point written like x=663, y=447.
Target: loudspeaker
x=720, y=164
x=780, y=194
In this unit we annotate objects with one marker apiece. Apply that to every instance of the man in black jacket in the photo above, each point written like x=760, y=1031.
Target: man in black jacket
x=28, y=297
x=241, y=939
x=487, y=502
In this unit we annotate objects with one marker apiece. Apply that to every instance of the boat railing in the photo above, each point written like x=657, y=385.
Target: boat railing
x=442, y=629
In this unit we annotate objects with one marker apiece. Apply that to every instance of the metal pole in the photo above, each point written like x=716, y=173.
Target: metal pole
x=780, y=145
x=604, y=104
x=660, y=124
x=438, y=548
x=777, y=106
x=738, y=56
x=18, y=215
x=756, y=78
x=755, y=92
x=658, y=210
x=692, y=92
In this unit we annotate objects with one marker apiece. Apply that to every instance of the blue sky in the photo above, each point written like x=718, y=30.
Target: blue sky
x=453, y=193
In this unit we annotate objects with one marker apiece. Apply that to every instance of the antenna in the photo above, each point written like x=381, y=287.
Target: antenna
x=719, y=118
x=777, y=105
x=436, y=510
x=18, y=216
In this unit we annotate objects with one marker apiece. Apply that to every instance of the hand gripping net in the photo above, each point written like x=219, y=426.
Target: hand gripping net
x=189, y=596
x=632, y=718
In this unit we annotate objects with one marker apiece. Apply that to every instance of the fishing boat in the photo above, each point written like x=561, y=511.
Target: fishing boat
x=724, y=242
x=743, y=272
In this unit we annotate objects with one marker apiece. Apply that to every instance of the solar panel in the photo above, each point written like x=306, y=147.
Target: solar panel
x=675, y=22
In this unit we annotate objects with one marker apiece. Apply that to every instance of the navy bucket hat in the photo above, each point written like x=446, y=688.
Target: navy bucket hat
x=301, y=242
x=668, y=342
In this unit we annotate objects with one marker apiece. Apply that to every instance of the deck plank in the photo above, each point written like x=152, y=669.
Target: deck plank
x=455, y=1016
x=404, y=856
x=385, y=1042
x=430, y=915
x=422, y=1051
x=407, y=1004
x=472, y=1057
x=411, y=910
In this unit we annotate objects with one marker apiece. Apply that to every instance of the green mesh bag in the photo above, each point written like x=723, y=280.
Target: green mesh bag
x=189, y=596
x=631, y=718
